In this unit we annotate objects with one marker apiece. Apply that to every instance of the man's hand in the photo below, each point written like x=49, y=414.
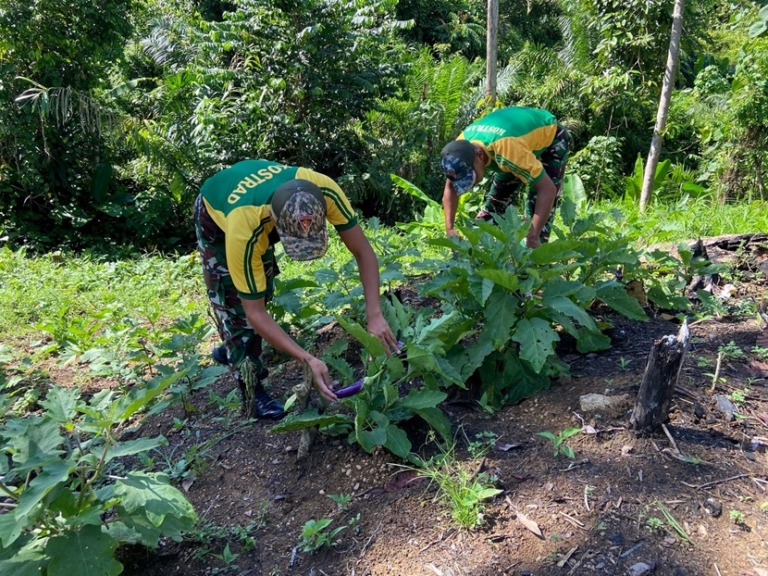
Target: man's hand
x=322, y=379
x=453, y=233
x=532, y=241
x=379, y=327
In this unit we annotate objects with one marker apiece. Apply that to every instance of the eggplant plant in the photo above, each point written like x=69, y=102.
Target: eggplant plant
x=69, y=502
x=518, y=296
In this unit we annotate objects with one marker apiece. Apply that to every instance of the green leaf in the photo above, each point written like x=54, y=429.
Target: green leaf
x=151, y=495
x=309, y=419
x=325, y=277
x=36, y=446
x=435, y=418
x=500, y=316
x=10, y=529
x=372, y=344
x=486, y=493
x=536, y=338
x=503, y=278
x=397, y=441
x=617, y=298
x=52, y=474
x=547, y=434
x=591, y=341
x=134, y=447
x=61, y=403
x=28, y=560
x=556, y=251
x=85, y=552
x=569, y=308
x=377, y=436
x=424, y=398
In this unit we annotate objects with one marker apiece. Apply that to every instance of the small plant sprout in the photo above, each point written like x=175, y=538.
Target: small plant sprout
x=315, y=534
x=342, y=500
x=731, y=351
x=739, y=397
x=624, y=362
x=483, y=442
x=654, y=524
x=737, y=516
x=558, y=441
x=761, y=353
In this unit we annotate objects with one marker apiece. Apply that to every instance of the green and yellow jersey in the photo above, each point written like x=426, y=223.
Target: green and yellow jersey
x=514, y=139
x=238, y=199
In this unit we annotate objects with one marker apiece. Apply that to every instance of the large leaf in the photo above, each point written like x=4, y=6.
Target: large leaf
x=28, y=559
x=571, y=309
x=134, y=447
x=536, y=338
x=557, y=251
x=52, y=474
x=500, y=316
x=372, y=344
x=85, y=552
x=151, y=495
x=424, y=398
x=501, y=277
x=435, y=418
x=617, y=298
x=61, y=403
x=397, y=441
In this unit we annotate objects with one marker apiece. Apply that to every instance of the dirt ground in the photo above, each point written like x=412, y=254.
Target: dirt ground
x=612, y=509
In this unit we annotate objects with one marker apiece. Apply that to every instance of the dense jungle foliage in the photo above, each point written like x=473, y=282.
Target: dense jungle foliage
x=112, y=113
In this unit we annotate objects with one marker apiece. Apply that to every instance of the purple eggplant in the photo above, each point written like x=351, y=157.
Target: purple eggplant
x=349, y=390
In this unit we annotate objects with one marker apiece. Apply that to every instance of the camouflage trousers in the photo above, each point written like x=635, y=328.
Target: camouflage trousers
x=243, y=343
x=506, y=187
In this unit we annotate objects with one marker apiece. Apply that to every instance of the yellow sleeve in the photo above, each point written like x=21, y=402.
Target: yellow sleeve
x=247, y=240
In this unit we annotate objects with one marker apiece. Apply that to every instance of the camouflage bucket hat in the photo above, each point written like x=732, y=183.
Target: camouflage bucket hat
x=298, y=209
x=458, y=159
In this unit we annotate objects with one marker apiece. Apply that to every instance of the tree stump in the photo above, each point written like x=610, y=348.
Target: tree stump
x=661, y=374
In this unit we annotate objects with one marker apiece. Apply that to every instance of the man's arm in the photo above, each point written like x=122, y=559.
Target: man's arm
x=368, y=266
x=450, y=204
x=267, y=328
x=546, y=191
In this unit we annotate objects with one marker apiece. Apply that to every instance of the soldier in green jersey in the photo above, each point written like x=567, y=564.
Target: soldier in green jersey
x=240, y=214
x=523, y=148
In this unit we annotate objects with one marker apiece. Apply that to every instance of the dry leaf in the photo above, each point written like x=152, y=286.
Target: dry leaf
x=530, y=524
x=404, y=479
x=188, y=481
x=635, y=290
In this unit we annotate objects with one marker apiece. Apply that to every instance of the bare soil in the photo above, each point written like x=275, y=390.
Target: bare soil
x=595, y=512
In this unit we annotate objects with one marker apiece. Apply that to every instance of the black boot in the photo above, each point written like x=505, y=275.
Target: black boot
x=259, y=404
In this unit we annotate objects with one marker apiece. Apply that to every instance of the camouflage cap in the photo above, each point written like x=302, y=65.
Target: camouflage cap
x=458, y=160
x=298, y=209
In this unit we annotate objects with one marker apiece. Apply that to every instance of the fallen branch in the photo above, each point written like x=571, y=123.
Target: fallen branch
x=715, y=482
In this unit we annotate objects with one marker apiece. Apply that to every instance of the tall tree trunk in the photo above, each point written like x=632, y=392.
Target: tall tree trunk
x=664, y=100
x=491, y=49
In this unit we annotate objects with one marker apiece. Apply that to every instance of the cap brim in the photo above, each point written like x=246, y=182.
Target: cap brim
x=463, y=184
x=304, y=248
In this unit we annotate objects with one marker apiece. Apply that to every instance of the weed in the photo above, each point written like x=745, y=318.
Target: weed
x=624, y=362
x=738, y=397
x=463, y=490
x=761, y=353
x=737, y=516
x=674, y=523
x=558, y=441
x=731, y=351
x=483, y=442
x=315, y=534
x=654, y=524
x=342, y=500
